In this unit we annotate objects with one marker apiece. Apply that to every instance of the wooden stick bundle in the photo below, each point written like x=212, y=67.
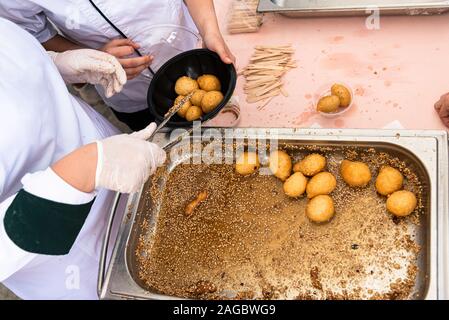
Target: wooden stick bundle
x=264, y=73
x=243, y=17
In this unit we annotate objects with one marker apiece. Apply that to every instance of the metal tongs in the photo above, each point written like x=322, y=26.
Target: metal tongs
x=167, y=118
x=173, y=110
x=178, y=139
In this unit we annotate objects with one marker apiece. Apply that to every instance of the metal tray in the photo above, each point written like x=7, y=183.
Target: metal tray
x=328, y=8
x=425, y=152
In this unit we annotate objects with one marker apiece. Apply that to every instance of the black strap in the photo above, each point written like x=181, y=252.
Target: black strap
x=116, y=29
x=42, y=226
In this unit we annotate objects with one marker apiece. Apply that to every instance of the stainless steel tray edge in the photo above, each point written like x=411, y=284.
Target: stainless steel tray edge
x=339, y=9
x=119, y=284
x=443, y=222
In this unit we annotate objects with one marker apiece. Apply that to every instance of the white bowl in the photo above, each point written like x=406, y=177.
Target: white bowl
x=325, y=90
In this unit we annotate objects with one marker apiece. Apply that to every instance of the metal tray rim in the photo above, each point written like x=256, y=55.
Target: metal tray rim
x=267, y=6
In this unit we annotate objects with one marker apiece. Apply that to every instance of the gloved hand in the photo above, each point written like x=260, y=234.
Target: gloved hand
x=90, y=66
x=126, y=161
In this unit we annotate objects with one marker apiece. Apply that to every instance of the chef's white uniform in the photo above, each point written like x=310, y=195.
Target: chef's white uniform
x=79, y=21
x=40, y=122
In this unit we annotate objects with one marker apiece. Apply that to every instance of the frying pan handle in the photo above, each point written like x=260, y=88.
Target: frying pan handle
x=104, y=247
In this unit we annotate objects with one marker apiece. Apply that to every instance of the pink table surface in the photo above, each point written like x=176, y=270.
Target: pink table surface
x=397, y=72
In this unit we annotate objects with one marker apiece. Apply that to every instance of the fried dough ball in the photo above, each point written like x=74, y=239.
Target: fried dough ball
x=355, y=174
x=320, y=209
x=343, y=93
x=389, y=180
x=328, y=104
x=211, y=100
x=321, y=184
x=197, y=97
x=247, y=163
x=185, y=85
x=295, y=186
x=280, y=164
x=209, y=82
x=311, y=165
x=194, y=113
x=182, y=112
x=402, y=203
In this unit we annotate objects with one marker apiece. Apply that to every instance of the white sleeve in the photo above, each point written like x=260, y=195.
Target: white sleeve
x=48, y=185
x=44, y=184
x=29, y=16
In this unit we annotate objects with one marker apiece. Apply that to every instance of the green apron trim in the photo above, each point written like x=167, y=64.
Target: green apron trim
x=42, y=226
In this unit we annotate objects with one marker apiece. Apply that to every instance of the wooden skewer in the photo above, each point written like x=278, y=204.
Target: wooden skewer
x=284, y=92
x=264, y=104
x=263, y=90
x=269, y=95
x=264, y=72
x=243, y=17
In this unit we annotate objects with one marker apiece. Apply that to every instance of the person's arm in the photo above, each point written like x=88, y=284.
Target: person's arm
x=121, y=163
x=78, y=168
x=47, y=214
x=119, y=48
x=60, y=44
x=32, y=18
x=205, y=18
x=122, y=49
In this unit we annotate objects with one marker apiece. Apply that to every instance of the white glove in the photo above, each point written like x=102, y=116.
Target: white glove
x=126, y=161
x=91, y=66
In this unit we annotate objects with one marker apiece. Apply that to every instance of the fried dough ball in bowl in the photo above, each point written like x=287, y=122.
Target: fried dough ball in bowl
x=343, y=93
x=194, y=113
x=247, y=163
x=209, y=82
x=185, y=85
x=182, y=112
x=321, y=184
x=355, y=174
x=328, y=104
x=320, y=209
x=280, y=164
x=402, y=203
x=295, y=185
x=389, y=180
x=211, y=100
x=197, y=97
x=311, y=165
